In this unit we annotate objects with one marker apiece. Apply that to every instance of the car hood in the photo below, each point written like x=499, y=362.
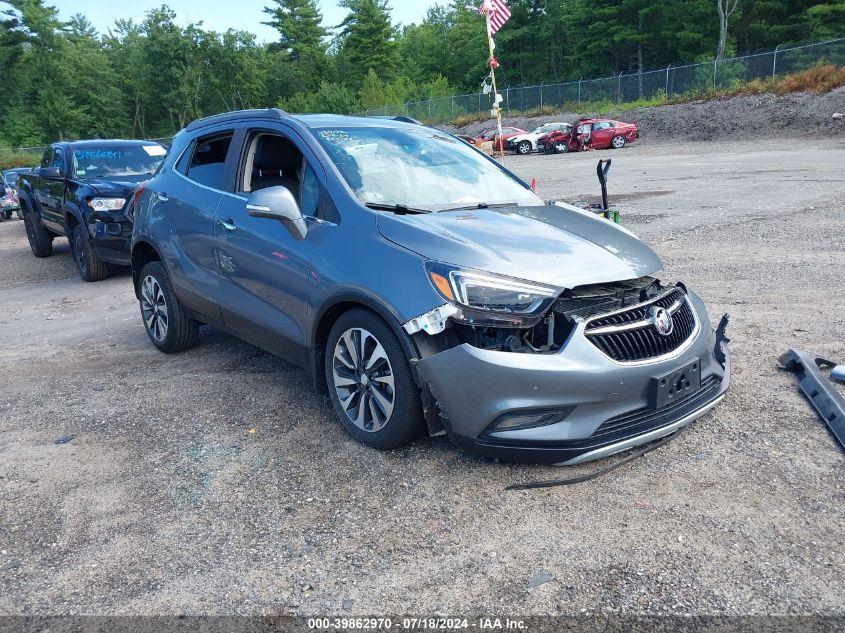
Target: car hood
x=555, y=244
x=530, y=136
x=120, y=187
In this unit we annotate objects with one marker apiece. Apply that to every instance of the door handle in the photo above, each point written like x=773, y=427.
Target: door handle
x=162, y=197
x=227, y=224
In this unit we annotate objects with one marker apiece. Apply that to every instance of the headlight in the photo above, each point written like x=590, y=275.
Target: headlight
x=491, y=299
x=106, y=204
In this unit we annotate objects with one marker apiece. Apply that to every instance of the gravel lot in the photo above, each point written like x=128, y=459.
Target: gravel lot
x=216, y=482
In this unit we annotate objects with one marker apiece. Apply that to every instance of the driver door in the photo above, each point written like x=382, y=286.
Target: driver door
x=264, y=269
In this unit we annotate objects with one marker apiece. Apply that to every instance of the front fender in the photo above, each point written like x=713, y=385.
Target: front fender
x=70, y=209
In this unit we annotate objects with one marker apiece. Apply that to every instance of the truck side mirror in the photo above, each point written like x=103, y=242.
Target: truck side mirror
x=49, y=172
x=278, y=203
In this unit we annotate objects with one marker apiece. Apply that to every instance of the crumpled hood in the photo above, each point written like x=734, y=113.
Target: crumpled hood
x=530, y=136
x=119, y=188
x=556, y=244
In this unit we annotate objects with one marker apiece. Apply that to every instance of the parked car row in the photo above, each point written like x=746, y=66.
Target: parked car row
x=559, y=138
x=423, y=286
x=587, y=134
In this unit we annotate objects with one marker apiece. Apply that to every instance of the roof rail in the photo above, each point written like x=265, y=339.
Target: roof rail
x=237, y=115
x=401, y=118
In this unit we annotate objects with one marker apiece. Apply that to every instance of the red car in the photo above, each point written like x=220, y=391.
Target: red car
x=590, y=134
x=492, y=134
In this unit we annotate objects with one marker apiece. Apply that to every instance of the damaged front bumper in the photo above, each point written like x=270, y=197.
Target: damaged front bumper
x=111, y=234
x=578, y=403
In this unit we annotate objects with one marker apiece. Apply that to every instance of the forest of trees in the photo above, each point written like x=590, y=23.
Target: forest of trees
x=66, y=80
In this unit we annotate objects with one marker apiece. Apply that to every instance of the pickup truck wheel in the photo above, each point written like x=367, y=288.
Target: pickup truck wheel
x=167, y=323
x=40, y=239
x=370, y=383
x=89, y=265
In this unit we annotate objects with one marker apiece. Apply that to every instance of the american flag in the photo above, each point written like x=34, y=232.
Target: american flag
x=498, y=11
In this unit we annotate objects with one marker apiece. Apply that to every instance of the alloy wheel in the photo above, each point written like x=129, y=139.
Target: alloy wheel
x=154, y=308
x=363, y=380
x=524, y=148
x=619, y=142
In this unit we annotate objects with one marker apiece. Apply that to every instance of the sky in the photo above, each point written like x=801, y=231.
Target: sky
x=218, y=15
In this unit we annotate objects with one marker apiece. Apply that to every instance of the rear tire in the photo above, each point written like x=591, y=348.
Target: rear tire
x=167, y=323
x=89, y=265
x=370, y=383
x=618, y=142
x=40, y=239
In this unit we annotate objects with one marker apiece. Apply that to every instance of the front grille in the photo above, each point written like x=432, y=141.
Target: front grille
x=643, y=342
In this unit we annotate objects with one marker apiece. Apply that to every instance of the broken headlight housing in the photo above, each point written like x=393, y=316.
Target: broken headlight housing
x=487, y=299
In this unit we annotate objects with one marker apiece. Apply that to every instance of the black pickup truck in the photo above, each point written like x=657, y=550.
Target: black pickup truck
x=82, y=191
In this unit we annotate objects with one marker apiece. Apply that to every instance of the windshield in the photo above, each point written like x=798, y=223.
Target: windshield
x=116, y=161
x=419, y=168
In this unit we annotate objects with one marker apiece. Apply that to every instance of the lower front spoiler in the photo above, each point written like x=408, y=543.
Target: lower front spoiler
x=638, y=428
x=609, y=407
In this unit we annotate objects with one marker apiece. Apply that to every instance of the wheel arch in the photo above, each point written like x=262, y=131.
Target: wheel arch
x=331, y=310
x=72, y=216
x=142, y=254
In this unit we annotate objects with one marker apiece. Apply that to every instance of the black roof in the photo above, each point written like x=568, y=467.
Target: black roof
x=310, y=120
x=238, y=115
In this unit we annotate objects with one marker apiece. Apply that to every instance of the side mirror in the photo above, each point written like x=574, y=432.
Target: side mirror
x=278, y=203
x=49, y=172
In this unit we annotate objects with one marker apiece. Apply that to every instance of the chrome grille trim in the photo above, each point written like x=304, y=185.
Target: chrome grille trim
x=627, y=338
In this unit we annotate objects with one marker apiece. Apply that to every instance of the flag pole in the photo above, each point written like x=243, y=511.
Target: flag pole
x=495, y=90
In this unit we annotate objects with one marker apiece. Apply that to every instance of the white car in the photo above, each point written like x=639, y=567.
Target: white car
x=527, y=143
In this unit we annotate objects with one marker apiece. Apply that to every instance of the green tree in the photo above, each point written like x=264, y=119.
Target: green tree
x=367, y=40
x=301, y=61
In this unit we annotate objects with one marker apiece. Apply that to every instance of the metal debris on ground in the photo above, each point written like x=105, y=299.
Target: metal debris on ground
x=828, y=402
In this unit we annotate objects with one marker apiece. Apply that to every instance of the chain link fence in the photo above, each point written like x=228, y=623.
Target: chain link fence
x=664, y=83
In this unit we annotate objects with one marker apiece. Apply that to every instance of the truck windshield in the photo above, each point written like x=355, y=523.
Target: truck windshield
x=116, y=161
x=419, y=168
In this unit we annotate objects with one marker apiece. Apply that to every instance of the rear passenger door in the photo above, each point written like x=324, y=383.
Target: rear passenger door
x=264, y=270
x=185, y=199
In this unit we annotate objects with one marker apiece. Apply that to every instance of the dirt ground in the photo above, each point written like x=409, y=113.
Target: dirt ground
x=216, y=482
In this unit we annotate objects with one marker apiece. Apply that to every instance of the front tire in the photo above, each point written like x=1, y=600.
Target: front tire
x=370, y=383
x=40, y=239
x=167, y=323
x=618, y=142
x=524, y=148
x=561, y=147
x=89, y=265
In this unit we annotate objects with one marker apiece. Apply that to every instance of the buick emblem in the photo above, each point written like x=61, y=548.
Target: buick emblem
x=661, y=320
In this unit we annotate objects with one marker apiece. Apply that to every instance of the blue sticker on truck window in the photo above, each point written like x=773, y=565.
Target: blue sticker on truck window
x=97, y=153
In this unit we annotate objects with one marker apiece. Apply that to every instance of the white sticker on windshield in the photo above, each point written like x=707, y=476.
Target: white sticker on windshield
x=154, y=150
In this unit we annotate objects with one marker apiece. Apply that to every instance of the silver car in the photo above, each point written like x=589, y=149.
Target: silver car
x=423, y=286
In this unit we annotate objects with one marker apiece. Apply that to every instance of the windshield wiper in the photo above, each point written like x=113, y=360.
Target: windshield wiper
x=400, y=209
x=483, y=205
